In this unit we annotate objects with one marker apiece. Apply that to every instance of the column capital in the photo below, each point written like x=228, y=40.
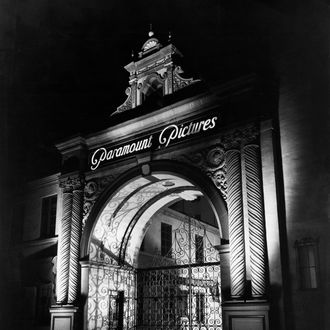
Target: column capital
x=239, y=137
x=70, y=183
x=251, y=145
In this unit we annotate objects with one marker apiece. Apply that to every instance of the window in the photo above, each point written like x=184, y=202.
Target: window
x=120, y=310
x=307, y=263
x=48, y=216
x=43, y=303
x=199, y=249
x=200, y=307
x=166, y=240
x=17, y=224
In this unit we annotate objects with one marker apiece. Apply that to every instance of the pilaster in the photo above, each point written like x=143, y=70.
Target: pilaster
x=247, y=315
x=256, y=221
x=236, y=223
x=76, y=225
x=64, y=244
x=64, y=317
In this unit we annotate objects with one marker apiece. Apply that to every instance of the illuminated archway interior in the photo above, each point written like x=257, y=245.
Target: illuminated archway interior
x=127, y=237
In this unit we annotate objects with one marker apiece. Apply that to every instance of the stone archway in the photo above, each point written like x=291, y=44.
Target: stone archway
x=112, y=239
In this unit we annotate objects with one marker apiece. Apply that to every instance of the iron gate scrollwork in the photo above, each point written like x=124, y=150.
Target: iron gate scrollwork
x=182, y=289
x=179, y=298
x=112, y=299
x=177, y=291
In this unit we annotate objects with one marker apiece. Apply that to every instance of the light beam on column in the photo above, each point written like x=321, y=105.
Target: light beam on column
x=256, y=220
x=64, y=244
x=236, y=223
x=77, y=208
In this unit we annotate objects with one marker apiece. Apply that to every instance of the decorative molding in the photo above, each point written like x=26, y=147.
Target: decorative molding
x=72, y=145
x=93, y=189
x=179, y=82
x=127, y=105
x=212, y=162
x=163, y=60
x=212, y=159
x=238, y=137
x=68, y=184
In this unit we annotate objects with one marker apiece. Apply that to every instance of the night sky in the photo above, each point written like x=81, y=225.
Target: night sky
x=66, y=66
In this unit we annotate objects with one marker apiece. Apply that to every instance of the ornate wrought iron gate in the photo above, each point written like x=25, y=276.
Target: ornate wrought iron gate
x=182, y=290
x=111, y=303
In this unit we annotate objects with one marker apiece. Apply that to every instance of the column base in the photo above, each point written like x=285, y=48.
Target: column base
x=249, y=315
x=64, y=317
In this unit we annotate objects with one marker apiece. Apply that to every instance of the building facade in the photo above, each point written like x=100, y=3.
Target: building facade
x=177, y=215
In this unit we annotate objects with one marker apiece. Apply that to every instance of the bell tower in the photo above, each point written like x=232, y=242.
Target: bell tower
x=155, y=72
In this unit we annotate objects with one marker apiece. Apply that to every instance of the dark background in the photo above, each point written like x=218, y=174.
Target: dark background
x=65, y=62
x=62, y=63
x=61, y=74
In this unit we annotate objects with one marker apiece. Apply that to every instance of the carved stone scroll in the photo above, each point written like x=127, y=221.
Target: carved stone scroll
x=212, y=162
x=127, y=105
x=179, y=82
x=93, y=189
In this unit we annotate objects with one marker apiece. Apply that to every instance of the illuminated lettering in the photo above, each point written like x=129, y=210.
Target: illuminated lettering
x=173, y=129
x=102, y=154
x=98, y=156
x=173, y=132
x=168, y=135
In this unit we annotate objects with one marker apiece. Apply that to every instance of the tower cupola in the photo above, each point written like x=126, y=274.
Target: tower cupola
x=155, y=72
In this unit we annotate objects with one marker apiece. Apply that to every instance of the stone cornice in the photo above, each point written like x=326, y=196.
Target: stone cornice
x=168, y=50
x=71, y=145
x=43, y=182
x=180, y=110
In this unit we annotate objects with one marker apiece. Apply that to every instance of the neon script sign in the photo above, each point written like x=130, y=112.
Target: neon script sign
x=168, y=135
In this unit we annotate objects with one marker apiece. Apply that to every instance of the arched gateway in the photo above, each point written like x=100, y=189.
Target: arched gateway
x=163, y=221
x=154, y=251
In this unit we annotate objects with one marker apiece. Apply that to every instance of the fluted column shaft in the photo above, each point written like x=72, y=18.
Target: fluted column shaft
x=64, y=247
x=255, y=220
x=236, y=223
x=76, y=221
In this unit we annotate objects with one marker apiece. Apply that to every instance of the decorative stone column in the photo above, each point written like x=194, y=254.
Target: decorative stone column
x=236, y=223
x=65, y=315
x=256, y=221
x=64, y=243
x=76, y=224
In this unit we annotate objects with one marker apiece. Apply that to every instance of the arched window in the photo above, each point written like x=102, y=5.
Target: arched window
x=307, y=263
